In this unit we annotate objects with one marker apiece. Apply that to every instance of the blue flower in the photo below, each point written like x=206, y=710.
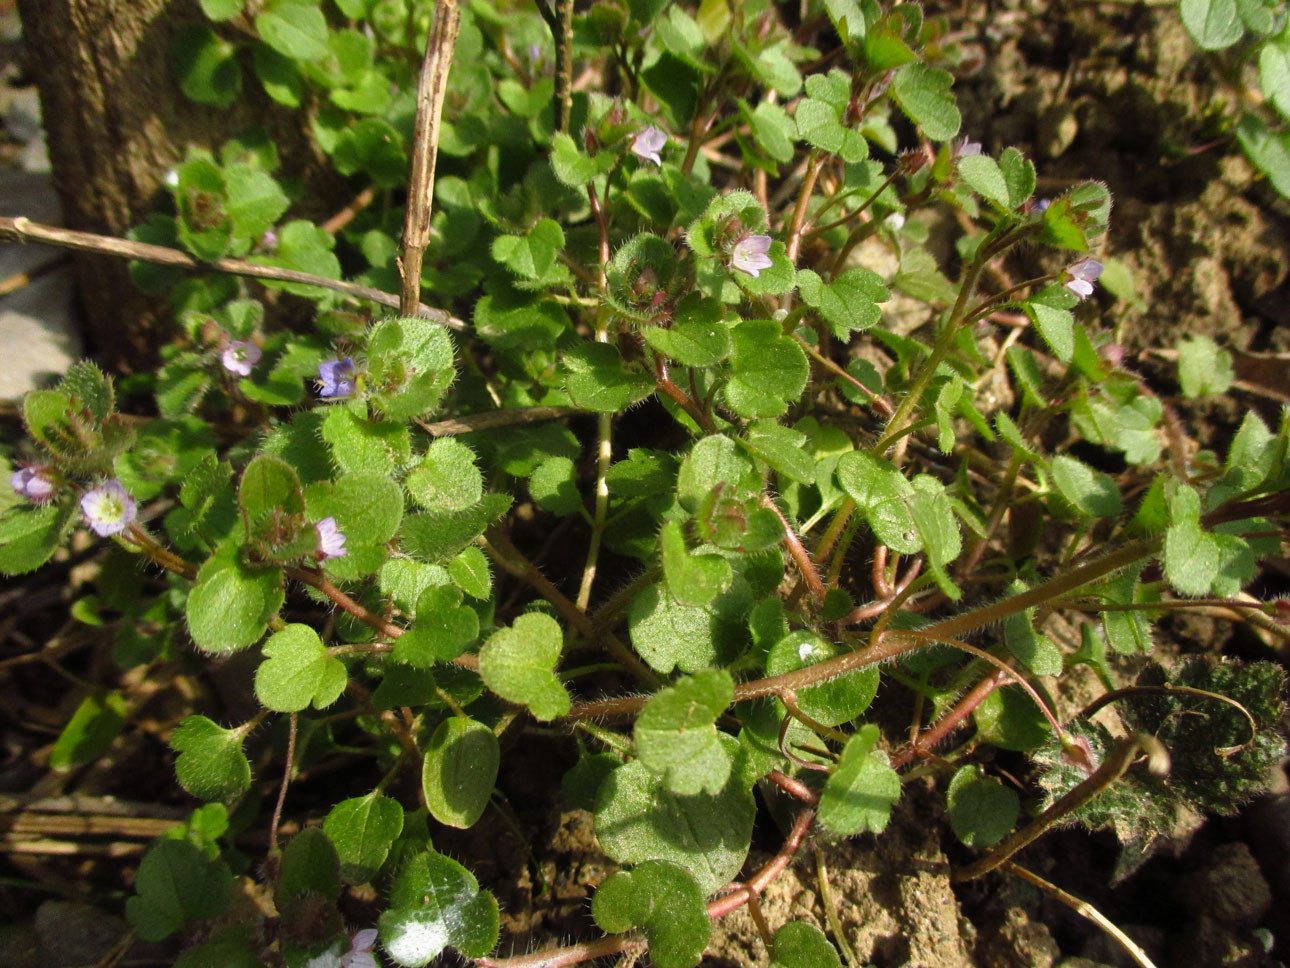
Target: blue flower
x=32, y=484
x=647, y=145
x=108, y=509
x=749, y=254
x=240, y=357
x=331, y=540
x=1081, y=276
x=336, y=378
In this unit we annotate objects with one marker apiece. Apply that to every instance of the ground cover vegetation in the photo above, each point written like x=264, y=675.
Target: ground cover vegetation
x=748, y=460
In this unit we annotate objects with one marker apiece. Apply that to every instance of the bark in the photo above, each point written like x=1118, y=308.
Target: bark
x=116, y=122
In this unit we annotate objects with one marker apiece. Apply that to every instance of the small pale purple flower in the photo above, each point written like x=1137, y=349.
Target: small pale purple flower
x=108, y=509
x=30, y=483
x=1041, y=205
x=336, y=378
x=360, y=950
x=240, y=357
x=331, y=540
x=750, y=254
x=963, y=147
x=1081, y=276
x=647, y=145
x=359, y=954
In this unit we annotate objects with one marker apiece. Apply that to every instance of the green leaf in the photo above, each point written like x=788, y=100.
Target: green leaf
x=207, y=66
x=516, y=664
x=443, y=629
x=176, y=883
x=638, y=819
x=773, y=129
x=438, y=537
x=1128, y=632
x=294, y=28
x=278, y=75
x=460, y=771
x=698, y=336
x=436, y=903
x=230, y=604
x=471, y=571
x=934, y=519
x=676, y=735
x=1018, y=175
x=297, y=670
x=668, y=635
x=1033, y=650
x=884, y=49
x=982, y=810
x=819, y=117
x=359, y=445
x=221, y=9
x=715, y=461
x=211, y=764
x=984, y=176
x=1213, y=24
x=367, y=507
x=1203, y=368
x=255, y=200
x=1274, y=73
x=1009, y=719
x=574, y=168
x=849, y=303
x=269, y=485
x=663, y=900
x=1056, y=326
x=304, y=247
x=597, y=379
x=923, y=93
x=767, y=370
x=410, y=365
x=29, y=535
x=835, y=701
x=882, y=495
x=310, y=866
x=531, y=255
x=554, y=486
x=363, y=829
x=800, y=944
x=205, y=227
x=1089, y=491
x=447, y=478
x=1268, y=149
x=1191, y=557
x=859, y=794
x=783, y=449
x=692, y=579
x=91, y=730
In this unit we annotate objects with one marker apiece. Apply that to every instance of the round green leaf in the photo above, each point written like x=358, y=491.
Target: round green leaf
x=447, y=478
x=363, y=829
x=297, y=671
x=436, y=903
x=460, y=771
x=211, y=764
x=676, y=733
x=230, y=605
x=833, y=702
x=639, y=819
x=516, y=664
x=207, y=66
x=982, y=810
x=665, y=901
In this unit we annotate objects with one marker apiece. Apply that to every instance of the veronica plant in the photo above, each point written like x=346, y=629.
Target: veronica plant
x=1236, y=34
x=845, y=457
